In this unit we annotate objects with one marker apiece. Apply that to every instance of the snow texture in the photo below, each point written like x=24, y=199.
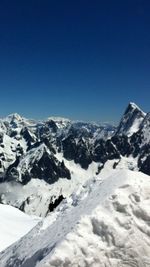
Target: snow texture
x=13, y=225
x=106, y=223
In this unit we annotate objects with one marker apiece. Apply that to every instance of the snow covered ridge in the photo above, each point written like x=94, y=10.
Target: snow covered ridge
x=106, y=223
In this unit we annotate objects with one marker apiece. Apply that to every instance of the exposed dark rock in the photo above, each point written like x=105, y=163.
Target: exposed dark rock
x=54, y=205
x=25, y=177
x=69, y=147
x=1, y=138
x=19, y=151
x=34, y=145
x=104, y=150
x=49, y=169
x=52, y=125
x=48, y=143
x=122, y=144
x=100, y=167
x=27, y=135
x=83, y=156
x=13, y=165
x=13, y=133
x=24, y=203
x=135, y=142
x=115, y=164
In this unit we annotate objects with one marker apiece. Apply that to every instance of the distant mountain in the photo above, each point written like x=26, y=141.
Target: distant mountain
x=22, y=140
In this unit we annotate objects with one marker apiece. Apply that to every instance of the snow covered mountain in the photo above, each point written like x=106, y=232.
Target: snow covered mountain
x=57, y=152
x=38, y=149
x=88, y=184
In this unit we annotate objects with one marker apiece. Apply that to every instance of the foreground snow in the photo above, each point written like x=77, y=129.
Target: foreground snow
x=106, y=223
x=13, y=225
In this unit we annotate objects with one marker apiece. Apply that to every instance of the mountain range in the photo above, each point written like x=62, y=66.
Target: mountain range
x=60, y=170
x=43, y=150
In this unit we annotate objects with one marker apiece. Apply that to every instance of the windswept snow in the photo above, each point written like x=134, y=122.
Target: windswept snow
x=106, y=223
x=13, y=225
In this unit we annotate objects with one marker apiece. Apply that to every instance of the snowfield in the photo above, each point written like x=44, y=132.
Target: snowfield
x=13, y=225
x=105, y=223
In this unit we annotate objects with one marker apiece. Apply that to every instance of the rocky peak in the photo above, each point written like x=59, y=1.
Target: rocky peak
x=131, y=120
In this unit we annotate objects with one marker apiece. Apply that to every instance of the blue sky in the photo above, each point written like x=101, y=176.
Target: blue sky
x=78, y=59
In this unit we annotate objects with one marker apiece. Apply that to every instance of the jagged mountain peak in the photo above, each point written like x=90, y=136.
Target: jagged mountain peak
x=132, y=107
x=131, y=120
x=16, y=120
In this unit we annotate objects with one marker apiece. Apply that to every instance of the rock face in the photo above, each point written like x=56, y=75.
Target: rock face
x=77, y=150
x=38, y=163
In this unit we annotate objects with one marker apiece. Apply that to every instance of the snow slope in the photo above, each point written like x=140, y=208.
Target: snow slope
x=106, y=223
x=13, y=225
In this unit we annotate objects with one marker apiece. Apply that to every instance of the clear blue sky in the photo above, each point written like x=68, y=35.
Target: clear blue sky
x=79, y=59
